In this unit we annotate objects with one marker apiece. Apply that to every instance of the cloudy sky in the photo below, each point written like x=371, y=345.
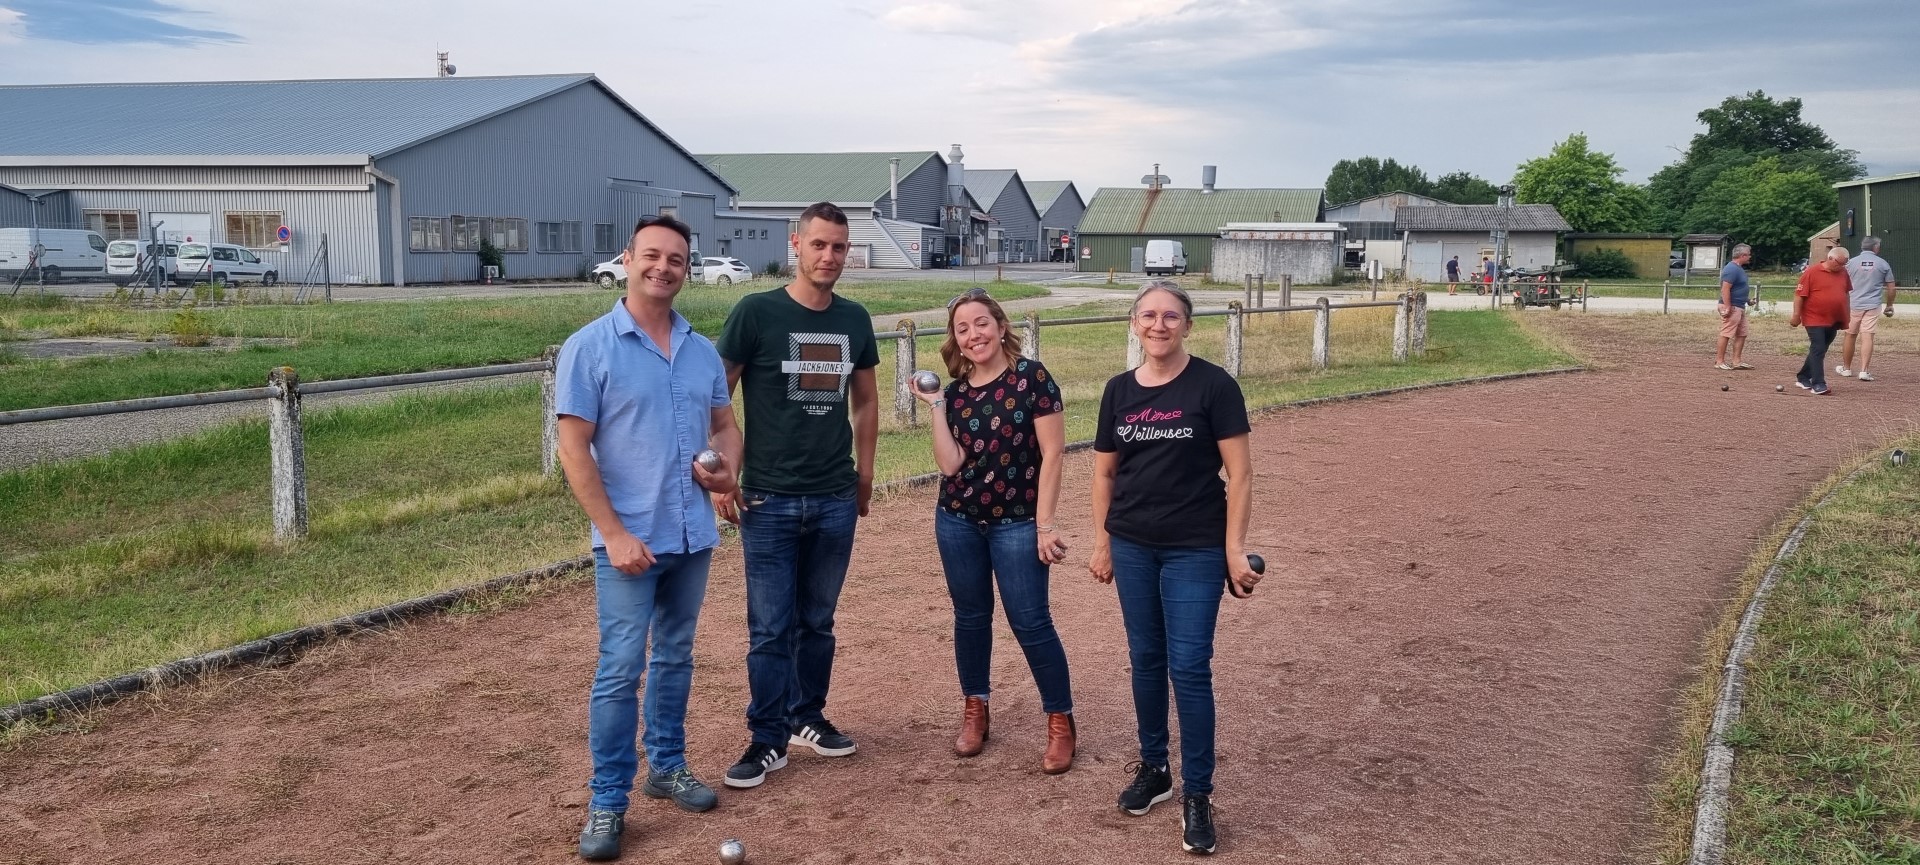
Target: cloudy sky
x=1096, y=91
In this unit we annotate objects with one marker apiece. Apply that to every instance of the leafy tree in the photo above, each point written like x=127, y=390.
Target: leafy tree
x=1585, y=186
x=1461, y=187
x=1767, y=205
x=1741, y=130
x=1605, y=263
x=1354, y=179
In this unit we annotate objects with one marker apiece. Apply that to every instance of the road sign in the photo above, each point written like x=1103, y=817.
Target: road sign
x=1086, y=252
x=1066, y=241
x=285, y=235
x=913, y=247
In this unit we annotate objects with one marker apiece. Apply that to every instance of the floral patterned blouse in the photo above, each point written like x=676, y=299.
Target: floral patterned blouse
x=1000, y=481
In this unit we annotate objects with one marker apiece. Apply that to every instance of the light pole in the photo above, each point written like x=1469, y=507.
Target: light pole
x=1500, y=239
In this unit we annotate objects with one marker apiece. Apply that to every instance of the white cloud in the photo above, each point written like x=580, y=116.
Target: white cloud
x=13, y=26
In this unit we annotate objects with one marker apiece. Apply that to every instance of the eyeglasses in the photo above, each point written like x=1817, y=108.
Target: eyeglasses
x=1149, y=318
x=973, y=293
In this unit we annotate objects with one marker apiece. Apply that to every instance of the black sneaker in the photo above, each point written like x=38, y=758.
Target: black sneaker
x=600, y=840
x=679, y=785
x=1151, y=786
x=755, y=764
x=823, y=738
x=1196, y=825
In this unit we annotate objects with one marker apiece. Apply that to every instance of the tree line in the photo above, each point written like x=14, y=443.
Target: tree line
x=1760, y=173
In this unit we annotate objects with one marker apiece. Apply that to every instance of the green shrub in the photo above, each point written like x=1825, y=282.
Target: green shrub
x=190, y=328
x=1606, y=263
x=491, y=256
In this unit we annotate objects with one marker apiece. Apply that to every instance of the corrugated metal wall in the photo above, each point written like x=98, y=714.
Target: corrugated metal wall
x=548, y=162
x=754, y=251
x=863, y=228
x=1064, y=214
x=1116, y=250
x=121, y=177
x=1019, y=223
x=1426, y=252
x=923, y=190
x=56, y=210
x=1895, y=219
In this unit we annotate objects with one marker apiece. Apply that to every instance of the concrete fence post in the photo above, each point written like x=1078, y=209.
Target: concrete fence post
x=287, y=456
x=1260, y=291
x=1135, y=353
x=1030, y=347
x=1322, y=334
x=1402, y=326
x=1249, y=299
x=549, y=420
x=1286, y=289
x=1419, y=324
x=1236, y=337
x=1666, y=292
x=905, y=362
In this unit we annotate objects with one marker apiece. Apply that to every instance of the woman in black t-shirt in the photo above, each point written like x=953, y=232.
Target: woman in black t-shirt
x=1000, y=447
x=1168, y=536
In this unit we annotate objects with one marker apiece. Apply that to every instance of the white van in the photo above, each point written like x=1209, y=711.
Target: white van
x=1165, y=256
x=125, y=258
x=66, y=253
x=207, y=262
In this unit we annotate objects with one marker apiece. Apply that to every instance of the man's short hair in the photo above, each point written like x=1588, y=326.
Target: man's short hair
x=684, y=230
x=1838, y=253
x=1869, y=244
x=823, y=210
x=1740, y=249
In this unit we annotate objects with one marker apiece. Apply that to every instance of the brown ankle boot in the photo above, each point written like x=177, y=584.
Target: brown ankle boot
x=1061, y=740
x=973, y=728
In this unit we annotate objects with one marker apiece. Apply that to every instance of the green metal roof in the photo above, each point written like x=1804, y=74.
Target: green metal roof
x=1044, y=192
x=1121, y=210
x=804, y=178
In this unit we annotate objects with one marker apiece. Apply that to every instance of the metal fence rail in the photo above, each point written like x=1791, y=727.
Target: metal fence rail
x=284, y=390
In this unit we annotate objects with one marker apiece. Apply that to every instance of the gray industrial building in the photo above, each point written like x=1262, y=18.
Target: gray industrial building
x=1432, y=235
x=1015, y=233
x=1060, y=207
x=907, y=209
x=1370, y=233
x=1888, y=208
x=403, y=177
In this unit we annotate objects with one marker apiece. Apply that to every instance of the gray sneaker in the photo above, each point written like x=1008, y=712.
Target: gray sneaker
x=600, y=840
x=680, y=786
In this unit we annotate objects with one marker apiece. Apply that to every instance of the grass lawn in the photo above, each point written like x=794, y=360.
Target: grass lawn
x=348, y=340
x=432, y=491
x=1827, y=765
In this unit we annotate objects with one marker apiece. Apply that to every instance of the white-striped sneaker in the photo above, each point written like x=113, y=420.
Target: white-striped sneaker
x=823, y=738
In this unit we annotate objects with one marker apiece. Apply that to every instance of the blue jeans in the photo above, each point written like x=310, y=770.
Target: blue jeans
x=1170, y=602
x=973, y=555
x=664, y=600
x=796, y=550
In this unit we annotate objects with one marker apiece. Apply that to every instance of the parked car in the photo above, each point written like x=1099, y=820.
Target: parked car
x=1676, y=260
x=222, y=262
x=1165, y=257
x=126, y=259
x=65, y=253
x=722, y=270
x=612, y=273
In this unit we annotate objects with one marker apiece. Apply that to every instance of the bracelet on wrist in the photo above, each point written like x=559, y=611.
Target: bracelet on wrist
x=1047, y=528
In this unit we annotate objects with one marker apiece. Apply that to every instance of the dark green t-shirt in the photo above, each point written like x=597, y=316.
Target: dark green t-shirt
x=795, y=384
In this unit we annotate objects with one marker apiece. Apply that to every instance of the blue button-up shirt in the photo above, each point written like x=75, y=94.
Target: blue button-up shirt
x=651, y=415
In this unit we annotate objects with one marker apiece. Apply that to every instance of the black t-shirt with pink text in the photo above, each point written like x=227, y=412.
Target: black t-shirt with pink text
x=1168, y=491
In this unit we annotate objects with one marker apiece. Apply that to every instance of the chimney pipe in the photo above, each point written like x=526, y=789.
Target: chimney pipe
x=893, y=185
x=1207, y=174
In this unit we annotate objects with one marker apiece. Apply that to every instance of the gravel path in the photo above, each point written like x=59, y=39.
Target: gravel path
x=1468, y=653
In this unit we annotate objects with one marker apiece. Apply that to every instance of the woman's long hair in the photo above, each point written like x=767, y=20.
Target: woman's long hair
x=958, y=366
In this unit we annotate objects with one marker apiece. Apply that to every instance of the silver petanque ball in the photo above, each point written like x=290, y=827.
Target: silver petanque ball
x=732, y=852
x=925, y=381
x=708, y=459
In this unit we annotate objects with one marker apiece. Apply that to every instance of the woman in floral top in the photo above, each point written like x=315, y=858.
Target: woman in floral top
x=1000, y=450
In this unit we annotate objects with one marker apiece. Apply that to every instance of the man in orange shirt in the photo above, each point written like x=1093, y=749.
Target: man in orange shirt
x=1820, y=303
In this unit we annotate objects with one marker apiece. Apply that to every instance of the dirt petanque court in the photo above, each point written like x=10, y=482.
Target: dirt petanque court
x=1483, y=605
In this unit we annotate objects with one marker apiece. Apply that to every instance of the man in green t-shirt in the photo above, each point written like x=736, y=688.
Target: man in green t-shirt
x=803, y=358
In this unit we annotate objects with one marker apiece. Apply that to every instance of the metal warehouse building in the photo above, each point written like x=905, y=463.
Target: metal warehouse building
x=404, y=177
x=1888, y=208
x=1119, y=221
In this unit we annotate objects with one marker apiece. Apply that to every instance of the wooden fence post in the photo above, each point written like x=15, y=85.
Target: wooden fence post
x=1666, y=292
x=1420, y=324
x=1286, y=289
x=287, y=456
x=905, y=361
x=1249, y=299
x=1322, y=334
x=549, y=421
x=1402, y=325
x=1260, y=291
x=1236, y=337
x=1030, y=347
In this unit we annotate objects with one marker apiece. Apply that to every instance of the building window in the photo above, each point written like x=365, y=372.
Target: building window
x=254, y=230
x=603, y=237
x=508, y=232
x=464, y=233
x=570, y=236
x=114, y=224
x=736, y=234
x=559, y=236
x=427, y=233
x=669, y=211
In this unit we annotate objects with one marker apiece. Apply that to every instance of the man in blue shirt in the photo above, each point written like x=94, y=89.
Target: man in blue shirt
x=638, y=395
x=1453, y=274
x=1733, y=310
